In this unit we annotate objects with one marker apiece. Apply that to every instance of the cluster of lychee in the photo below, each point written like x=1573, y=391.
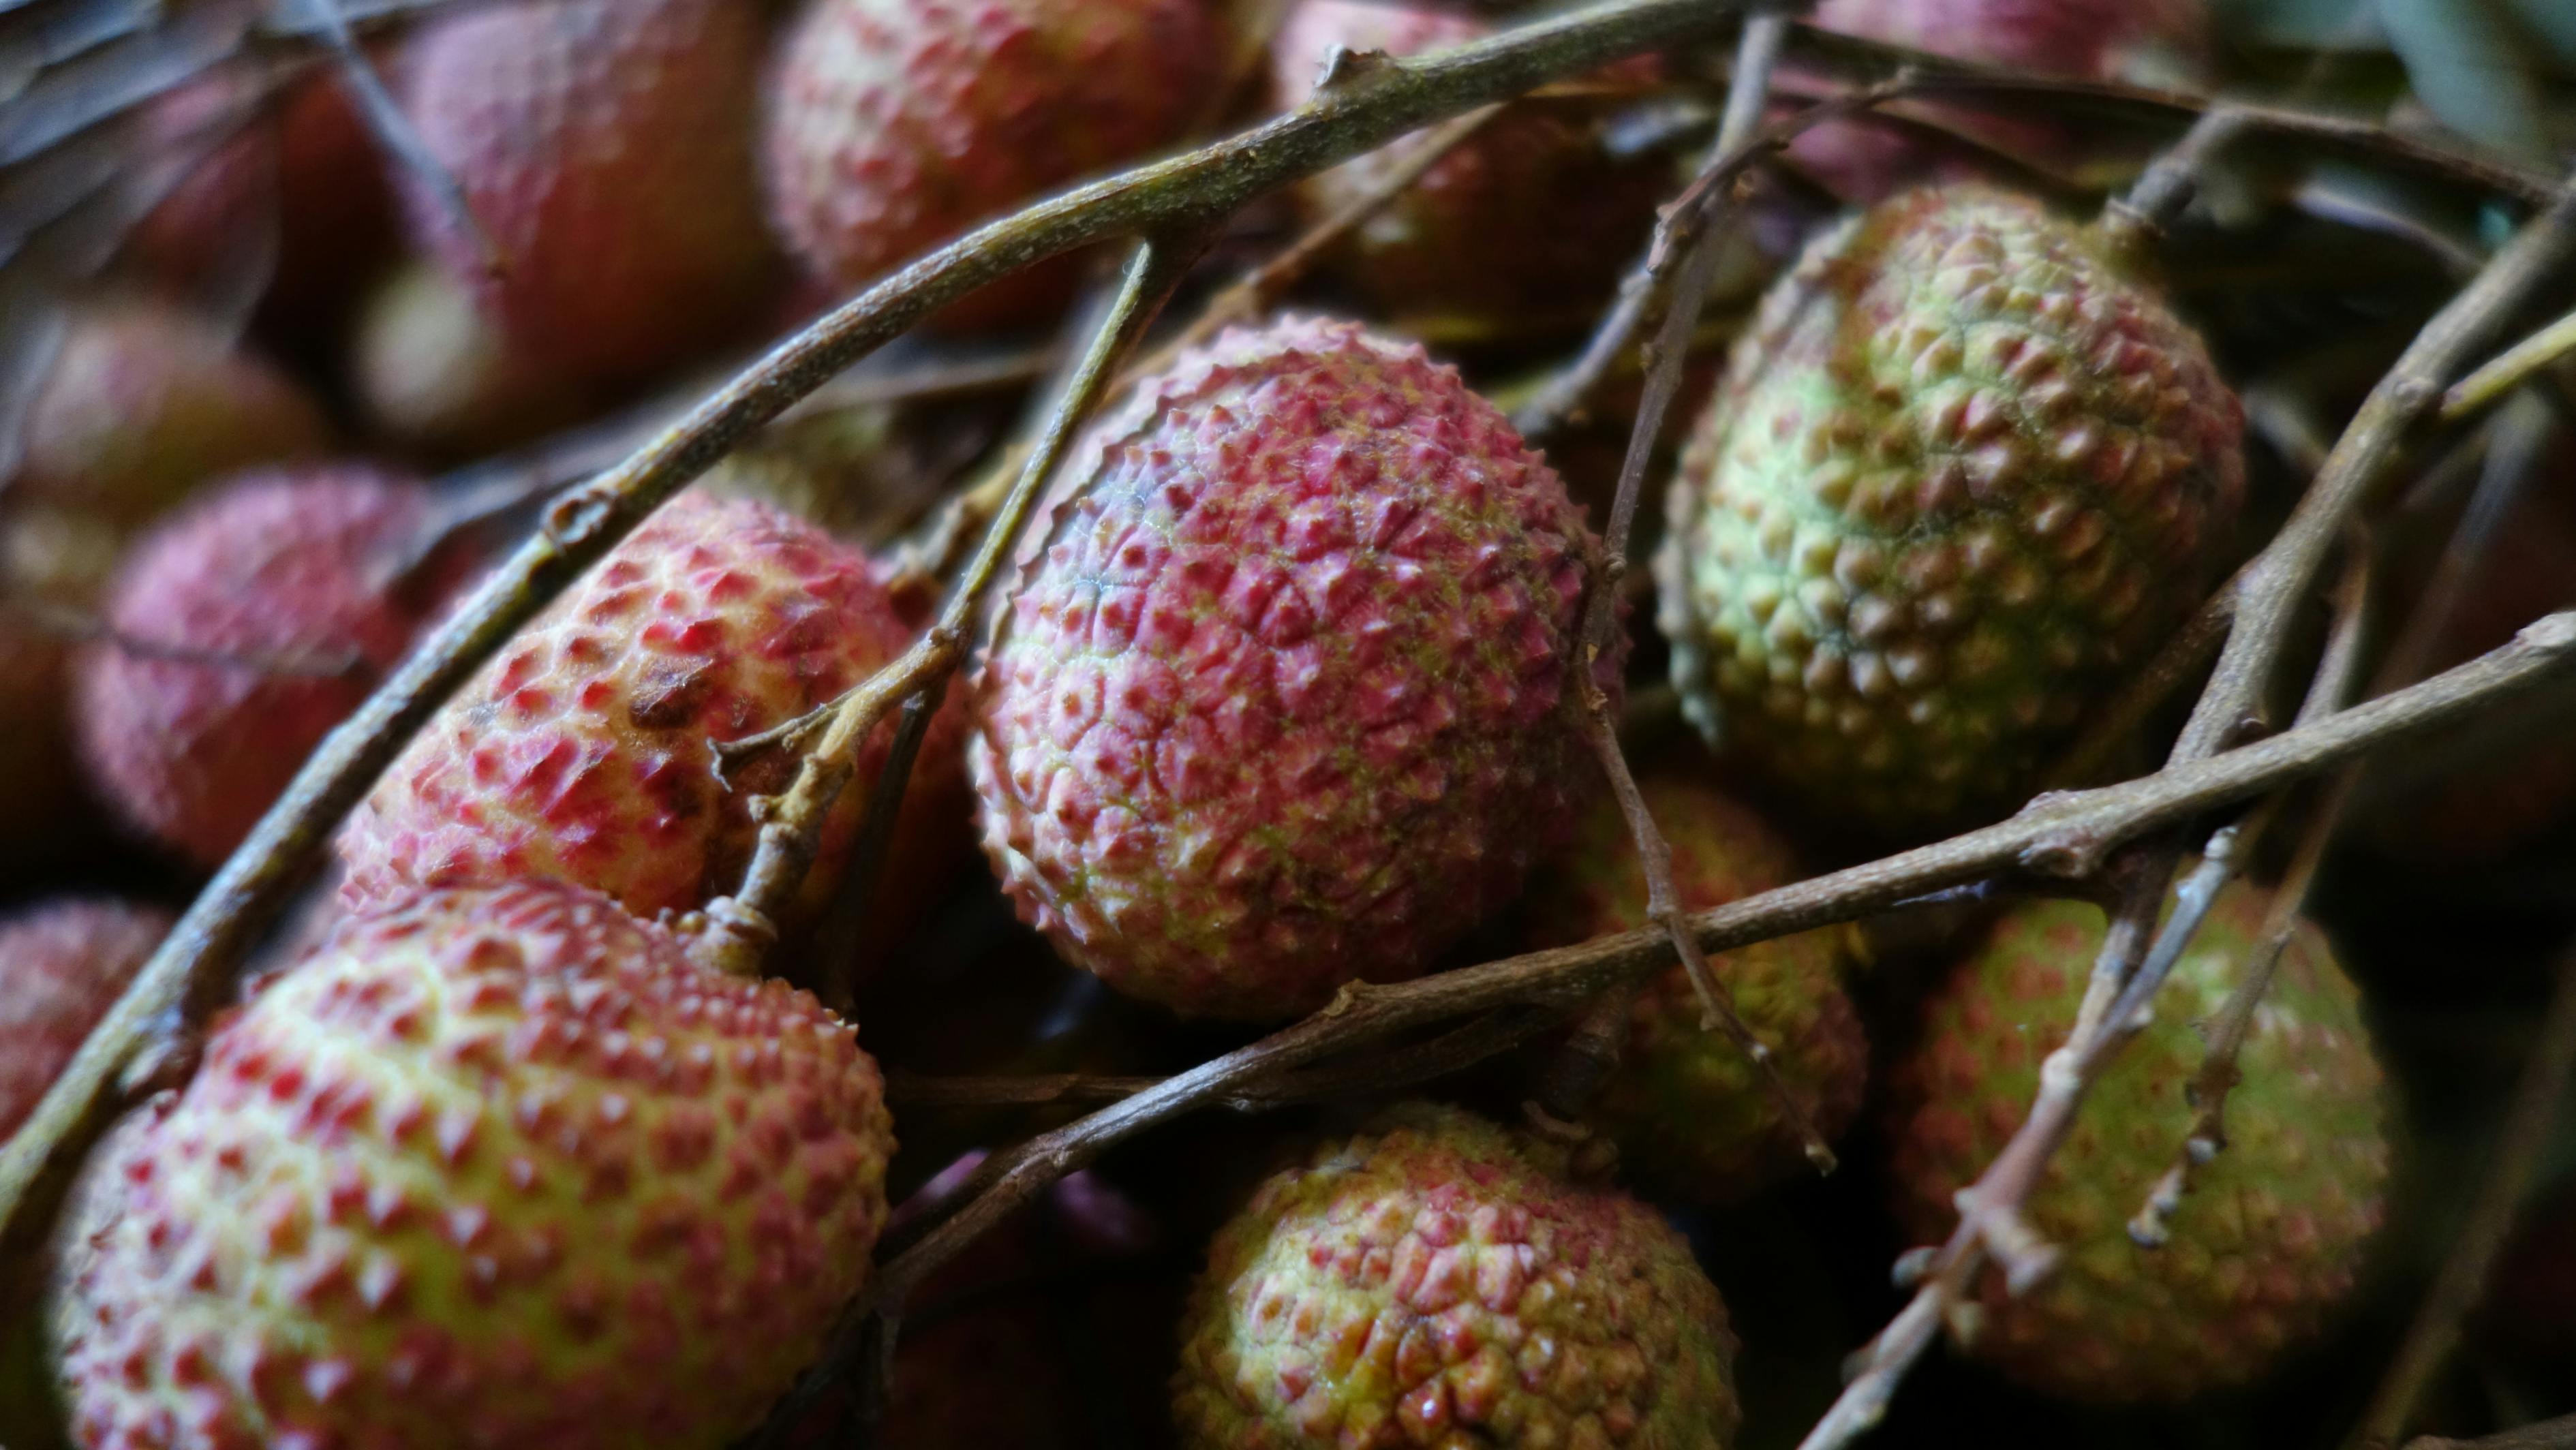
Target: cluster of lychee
x=1281, y=696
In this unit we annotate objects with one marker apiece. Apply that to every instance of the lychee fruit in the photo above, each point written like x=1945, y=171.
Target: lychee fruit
x=585, y=750
x=1462, y=237
x=1435, y=1280
x=140, y=404
x=897, y=125
x=605, y=148
x=852, y=468
x=443, y=380
x=1863, y=159
x=1686, y=1106
x=2270, y=1236
x=63, y=963
x=247, y=625
x=1278, y=699
x=492, y=1167
x=1962, y=471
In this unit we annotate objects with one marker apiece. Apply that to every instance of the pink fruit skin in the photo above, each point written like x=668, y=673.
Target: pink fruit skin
x=582, y=751
x=271, y=568
x=1460, y=236
x=605, y=146
x=2084, y=39
x=142, y=403
x=896, y=125
x=1277, y=702
x=62, y=965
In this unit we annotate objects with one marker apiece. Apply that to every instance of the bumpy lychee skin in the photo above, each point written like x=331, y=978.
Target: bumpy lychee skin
x=263, y=613
x=62, y=965
x=605, y=147
x=1686, y=1107
x=492, y=1167
x=583, y=751
x=2155, y=42
x=143, y=402
x=2275, y=1227
x=1276, y=701
x=1461, y=237
x=896, y=125
x=1433, y=1281
x=1960, y=473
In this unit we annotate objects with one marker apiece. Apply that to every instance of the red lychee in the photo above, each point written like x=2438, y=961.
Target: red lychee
x=1278, y=699
x=501, y=1168
x=584, y=751
x=2145, y=41
x=62, y=965
x=605, y=146
x=1466, y=235
x=249, y=624
x=141, y=403
x=896, y=125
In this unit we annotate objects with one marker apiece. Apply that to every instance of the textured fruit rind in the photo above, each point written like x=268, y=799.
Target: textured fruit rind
x=1686, y=1106
x=1432, y=1282
x=894, y=125
x=584, y=751
x=1276, y=702
x=2275, y=1227
x=142, y=403
x=500, y=1168
x=1960, y=472
x=275, y=581
x=605, y=148
x=62, y=965
x=1461, y=236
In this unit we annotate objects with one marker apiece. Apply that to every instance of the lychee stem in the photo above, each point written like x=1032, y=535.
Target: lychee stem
x=791, y=833
x=393, y=131
x=1684, y=255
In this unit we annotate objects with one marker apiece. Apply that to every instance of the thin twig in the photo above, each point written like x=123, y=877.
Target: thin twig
x=2066, y=834
x=196, y=962
x=2268, y=592
x=2509, y=369
x=66, y=622
x=2183, y=655
x=2436, y=1326
x=2338, y=672
x=742, y=927
x=1687, y=244
x=843, y=929
x=394, y=132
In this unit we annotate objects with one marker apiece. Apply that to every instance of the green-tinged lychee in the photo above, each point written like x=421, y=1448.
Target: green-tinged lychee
x=605, y=149
x=501, y=1168
x=896, y=125
x=585, y=750
x=62, y=965
x=141, y=403
x=1277, y=701
x=846, y=467
x=246, y=626
x=2274, y=1229
x=1468, y=235
x=1963, y=470
x=1686, y=1105
x=1434, y=1280
x=438, y=377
